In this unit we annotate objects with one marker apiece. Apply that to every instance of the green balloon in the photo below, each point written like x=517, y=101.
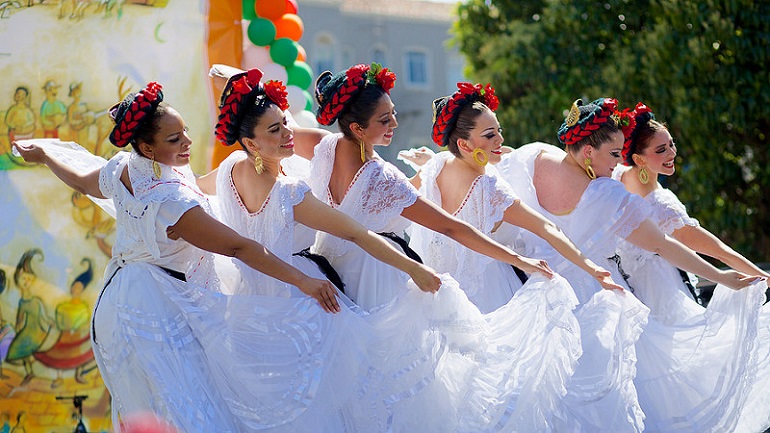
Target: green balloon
x=261, y=32
x=300, y=75
x=284, y=52
x=249, y=11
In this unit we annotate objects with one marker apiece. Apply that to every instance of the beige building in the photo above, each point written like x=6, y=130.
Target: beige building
x=409, y=37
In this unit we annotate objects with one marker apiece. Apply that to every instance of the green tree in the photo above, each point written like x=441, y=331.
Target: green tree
x=702, y=66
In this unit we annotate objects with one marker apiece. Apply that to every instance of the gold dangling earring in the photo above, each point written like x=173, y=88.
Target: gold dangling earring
x=589, y=170
x=480, y=156
x=156, y=171
x=363, y=150
x=644, y=176
x=259, y=166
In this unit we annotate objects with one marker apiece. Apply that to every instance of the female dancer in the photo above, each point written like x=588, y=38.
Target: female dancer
x=649, y=151
x=164, y=339
x=347, y=174
x=574, y=189
x=461, y=182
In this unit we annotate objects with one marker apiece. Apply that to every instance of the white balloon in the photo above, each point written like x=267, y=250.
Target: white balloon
x=297, y=101
x=306, y=119
x=274, y=71
x=255, y=57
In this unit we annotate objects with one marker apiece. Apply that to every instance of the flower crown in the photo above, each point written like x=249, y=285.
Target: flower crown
x=240, y=89
x=335, y=92
x=575, y=129
x=639, y=117
x=447, y=109
x=133, y=111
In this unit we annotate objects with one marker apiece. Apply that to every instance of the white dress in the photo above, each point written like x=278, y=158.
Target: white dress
x=377, y=195
x=732, y=344
x=693, y=373
x=502, y=371
x=489, y=283
x=669, y=214
x=272, y=225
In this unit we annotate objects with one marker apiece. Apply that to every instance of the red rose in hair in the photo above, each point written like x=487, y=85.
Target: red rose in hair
x=357, y=71
x=641, y=109
x=386, y=79
x=626, y=121
x=466, y=88
x=489, y=98
x=151, y=91
x=610, y=104
x=276, y=92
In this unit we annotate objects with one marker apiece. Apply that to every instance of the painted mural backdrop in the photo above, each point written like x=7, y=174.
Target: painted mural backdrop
x=64, y=63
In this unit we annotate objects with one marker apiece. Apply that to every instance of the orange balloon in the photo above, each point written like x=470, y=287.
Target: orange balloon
x=270, y=9
x=289, y=26
x=301, y=54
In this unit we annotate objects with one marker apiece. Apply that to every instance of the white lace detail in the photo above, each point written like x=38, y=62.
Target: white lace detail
x=483, y=207
x=376, y=198
x=668, y=212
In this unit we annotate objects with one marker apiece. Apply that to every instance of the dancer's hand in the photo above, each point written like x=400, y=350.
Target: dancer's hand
x=531, y=266
x=323, y=291
x=30, y=152
x=605, y=279
x=425, y=278
x=416, y=158
x=736, y=280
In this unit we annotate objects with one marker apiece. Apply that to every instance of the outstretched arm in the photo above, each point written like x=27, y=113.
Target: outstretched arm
x=200, y=229
x=317, y=215
x=648, y=237
x=704, y=242
x=87, y=183
x=429, y=215
x=519, y=214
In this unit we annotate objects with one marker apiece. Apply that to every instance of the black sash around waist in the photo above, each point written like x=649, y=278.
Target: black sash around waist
x=616, y=259
x=324, y=266
x=412, y=254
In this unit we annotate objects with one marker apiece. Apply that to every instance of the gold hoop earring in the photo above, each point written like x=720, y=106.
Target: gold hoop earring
x=480, y=156
x=259, y=166
x=156, y=171
x=363, y=150
x=644, y=176
x=589, y=170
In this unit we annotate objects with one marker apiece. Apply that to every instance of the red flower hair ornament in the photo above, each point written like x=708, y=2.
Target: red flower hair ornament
x=638, y=117
x=446, y=110
x=381, y=77
x=276, y=92
x=133, y=111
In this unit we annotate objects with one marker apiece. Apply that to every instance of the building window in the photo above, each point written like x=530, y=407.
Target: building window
x=323, y=54
x=417, y=68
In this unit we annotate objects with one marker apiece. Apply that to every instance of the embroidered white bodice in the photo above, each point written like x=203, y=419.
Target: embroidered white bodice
x=375, y=198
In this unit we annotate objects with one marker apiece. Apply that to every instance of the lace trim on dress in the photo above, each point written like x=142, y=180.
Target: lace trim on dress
x=377, y=196
x=668, y=212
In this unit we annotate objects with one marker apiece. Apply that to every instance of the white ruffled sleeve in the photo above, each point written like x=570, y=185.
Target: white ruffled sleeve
x=669, y=213
x=389, y=192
